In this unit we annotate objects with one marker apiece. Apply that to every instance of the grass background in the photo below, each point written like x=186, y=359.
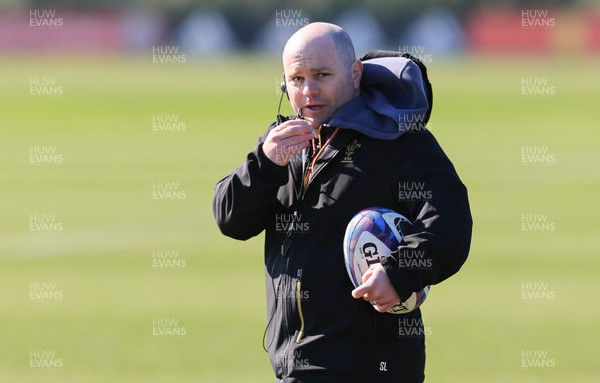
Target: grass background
x=102, y=193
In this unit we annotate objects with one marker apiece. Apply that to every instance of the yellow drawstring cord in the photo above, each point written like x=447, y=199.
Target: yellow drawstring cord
x=299, y=303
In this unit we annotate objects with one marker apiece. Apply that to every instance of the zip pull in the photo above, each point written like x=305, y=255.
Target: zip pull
x=299, y=304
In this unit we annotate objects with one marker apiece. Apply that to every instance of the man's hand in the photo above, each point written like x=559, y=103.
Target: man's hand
x=377, y=289
x=286, y=140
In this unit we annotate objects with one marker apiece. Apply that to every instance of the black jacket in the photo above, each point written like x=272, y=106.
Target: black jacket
x=345, y=339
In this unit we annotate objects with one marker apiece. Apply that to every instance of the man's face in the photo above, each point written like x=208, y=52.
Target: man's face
x=317, y=80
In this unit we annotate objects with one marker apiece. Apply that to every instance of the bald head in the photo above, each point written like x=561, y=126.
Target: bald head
x=321, y=71
x=323, y=34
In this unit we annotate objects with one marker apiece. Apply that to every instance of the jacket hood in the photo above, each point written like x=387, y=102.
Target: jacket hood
x=392, y=98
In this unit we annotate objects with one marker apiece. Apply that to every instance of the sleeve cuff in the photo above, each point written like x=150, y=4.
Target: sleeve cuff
x=390, y=265
x=268, y=166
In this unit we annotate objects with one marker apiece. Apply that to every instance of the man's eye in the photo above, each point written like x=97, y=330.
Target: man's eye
x=297, y=79
x=323, y=75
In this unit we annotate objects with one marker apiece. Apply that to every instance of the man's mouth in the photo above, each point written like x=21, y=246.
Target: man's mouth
x=313, y=107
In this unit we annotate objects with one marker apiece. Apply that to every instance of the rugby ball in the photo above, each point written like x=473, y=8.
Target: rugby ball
x=371, y=235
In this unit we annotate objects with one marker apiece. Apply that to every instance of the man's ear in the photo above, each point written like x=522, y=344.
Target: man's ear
x=357, y=69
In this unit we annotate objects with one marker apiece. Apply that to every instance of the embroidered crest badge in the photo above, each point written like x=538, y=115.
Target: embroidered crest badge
x=349, y=151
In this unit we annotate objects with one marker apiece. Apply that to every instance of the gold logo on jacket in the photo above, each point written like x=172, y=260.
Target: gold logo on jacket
x=349, y=151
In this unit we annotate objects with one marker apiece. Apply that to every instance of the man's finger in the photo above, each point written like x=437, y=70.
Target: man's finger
x=383, y=307
x=367, y=274
x=293, y=140
x=361, y=291
x=293, y=128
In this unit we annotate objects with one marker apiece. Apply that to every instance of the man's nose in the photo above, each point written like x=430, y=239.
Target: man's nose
x=310, y=88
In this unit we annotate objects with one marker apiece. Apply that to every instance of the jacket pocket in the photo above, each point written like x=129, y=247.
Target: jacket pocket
x=366, y=325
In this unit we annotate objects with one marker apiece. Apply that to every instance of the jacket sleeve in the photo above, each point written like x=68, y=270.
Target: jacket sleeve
x=245, y=198
x=440, y=239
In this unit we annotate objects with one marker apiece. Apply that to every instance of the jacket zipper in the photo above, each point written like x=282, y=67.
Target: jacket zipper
x=299, y=334
x=285, y=246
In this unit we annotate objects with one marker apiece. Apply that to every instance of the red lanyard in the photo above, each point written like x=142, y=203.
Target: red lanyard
x=317, y=156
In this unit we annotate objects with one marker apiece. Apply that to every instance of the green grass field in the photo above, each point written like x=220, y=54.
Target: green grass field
x=101, y=293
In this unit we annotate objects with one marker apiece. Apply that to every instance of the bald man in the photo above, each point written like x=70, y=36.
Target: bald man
x=346, y=149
